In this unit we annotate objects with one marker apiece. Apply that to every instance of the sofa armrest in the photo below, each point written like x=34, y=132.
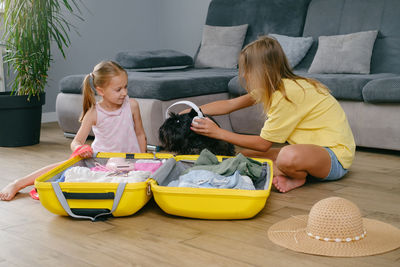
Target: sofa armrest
x=153, y=60
x=72, y=84
x=385, y=90
x=235, y=88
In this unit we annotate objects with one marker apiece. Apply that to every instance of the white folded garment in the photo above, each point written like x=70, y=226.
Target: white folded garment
x=85, y=175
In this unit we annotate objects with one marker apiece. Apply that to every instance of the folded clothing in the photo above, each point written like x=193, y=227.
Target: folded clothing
x=245, y=166
x=120, y=164
x=147, y=165
x=208, y=179
x=84, y=175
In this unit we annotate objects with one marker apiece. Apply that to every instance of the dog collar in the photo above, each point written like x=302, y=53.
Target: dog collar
x=191, y=104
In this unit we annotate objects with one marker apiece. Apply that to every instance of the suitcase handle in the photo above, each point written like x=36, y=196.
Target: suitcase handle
x=108, y=195
x=63, y=201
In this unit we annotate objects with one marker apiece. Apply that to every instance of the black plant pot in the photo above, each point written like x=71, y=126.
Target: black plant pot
x=20, y=119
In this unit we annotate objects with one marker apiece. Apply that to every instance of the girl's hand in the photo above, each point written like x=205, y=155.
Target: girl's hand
x=206, y=127
x=84, y=151
x=86, y=154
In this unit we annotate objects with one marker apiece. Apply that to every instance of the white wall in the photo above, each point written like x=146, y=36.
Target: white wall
x=112, y=26
x=108, y=27
x=182, y=24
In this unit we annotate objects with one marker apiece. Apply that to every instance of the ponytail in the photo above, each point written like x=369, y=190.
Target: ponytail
x=89, y=99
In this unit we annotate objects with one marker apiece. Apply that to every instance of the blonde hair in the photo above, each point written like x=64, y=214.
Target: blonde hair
x=262, y=66
x=99, y=77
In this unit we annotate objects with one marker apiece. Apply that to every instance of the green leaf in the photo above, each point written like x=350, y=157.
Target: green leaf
x=30, y=26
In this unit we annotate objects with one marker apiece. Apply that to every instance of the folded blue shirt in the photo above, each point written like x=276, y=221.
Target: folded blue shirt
x=208, y=179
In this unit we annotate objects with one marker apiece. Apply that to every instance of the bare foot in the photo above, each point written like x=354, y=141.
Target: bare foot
x=9, y=192
x=285, y=184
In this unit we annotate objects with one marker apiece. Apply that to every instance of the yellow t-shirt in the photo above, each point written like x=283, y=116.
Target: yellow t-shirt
x=311, y=118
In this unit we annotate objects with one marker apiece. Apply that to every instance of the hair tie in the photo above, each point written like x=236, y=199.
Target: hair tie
x=91, y=81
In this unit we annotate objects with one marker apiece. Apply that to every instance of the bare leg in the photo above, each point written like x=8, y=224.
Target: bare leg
x=9, y=192
x=295, y=162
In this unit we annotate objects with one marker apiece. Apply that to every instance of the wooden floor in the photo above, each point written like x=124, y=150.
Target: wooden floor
x=32, y=236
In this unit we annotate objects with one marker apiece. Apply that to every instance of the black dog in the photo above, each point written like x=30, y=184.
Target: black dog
x=176, y=136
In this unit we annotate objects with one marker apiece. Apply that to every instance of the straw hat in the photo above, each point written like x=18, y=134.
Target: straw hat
x=334, y=227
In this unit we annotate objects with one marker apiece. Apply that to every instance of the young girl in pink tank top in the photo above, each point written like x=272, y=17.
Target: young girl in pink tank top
x=115, y=121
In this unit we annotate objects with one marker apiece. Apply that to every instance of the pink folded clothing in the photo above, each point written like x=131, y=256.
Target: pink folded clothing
x=147, y=165
x=120, y=164
x=99, y=168
x=114, y=164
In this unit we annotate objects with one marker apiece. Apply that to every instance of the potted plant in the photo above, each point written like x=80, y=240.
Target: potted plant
x=30, y=27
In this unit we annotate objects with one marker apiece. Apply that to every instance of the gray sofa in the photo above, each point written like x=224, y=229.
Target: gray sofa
x=371, y=101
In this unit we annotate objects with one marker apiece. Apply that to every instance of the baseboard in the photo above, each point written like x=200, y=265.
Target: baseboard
x=49, y=117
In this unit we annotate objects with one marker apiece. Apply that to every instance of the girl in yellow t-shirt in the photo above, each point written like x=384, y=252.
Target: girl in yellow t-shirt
x=300, y=111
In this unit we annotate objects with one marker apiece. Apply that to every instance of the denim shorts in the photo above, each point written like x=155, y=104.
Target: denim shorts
x=337, y=171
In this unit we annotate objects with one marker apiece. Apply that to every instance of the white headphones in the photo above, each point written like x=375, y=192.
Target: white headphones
x=200, y=114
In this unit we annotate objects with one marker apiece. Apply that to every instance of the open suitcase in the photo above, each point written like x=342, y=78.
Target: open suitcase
x=96, y=200
x=93, y=200
x=207, y=203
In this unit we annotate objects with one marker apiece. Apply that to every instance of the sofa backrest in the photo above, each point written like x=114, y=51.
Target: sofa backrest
x=263, y=16
x=334, y=17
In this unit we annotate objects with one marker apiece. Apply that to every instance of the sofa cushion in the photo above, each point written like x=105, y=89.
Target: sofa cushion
x=235, y=88
x=272, y=16
x=342, y=86
x=386, y=90
x=295, y=48
x=166, y=85
x=344, y=16
x=346, y=86
x=145, y=60
x=72, y=84
x=220, y=46
x=346, y=53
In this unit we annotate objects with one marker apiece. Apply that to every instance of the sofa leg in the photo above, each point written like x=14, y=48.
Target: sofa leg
x=69, y=135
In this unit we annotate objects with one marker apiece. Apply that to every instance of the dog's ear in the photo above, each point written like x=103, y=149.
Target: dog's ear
x=192, y=113
x=173, y=115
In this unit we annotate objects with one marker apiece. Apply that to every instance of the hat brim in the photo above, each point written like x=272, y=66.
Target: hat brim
x=291, y=233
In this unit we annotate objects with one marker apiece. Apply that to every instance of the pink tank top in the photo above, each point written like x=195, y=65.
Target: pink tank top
x=115, y=131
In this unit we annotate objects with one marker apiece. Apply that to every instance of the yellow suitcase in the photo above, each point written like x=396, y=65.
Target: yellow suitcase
x=93, y=200
x=96, y=200
x=206, y=203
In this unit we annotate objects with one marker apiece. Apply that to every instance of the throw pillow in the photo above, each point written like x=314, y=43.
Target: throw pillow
x=295, y=48
x=153, y=60
x=220, y=46
x=348, y=53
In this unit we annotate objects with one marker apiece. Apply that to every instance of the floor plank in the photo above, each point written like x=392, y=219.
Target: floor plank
x=29, y=234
